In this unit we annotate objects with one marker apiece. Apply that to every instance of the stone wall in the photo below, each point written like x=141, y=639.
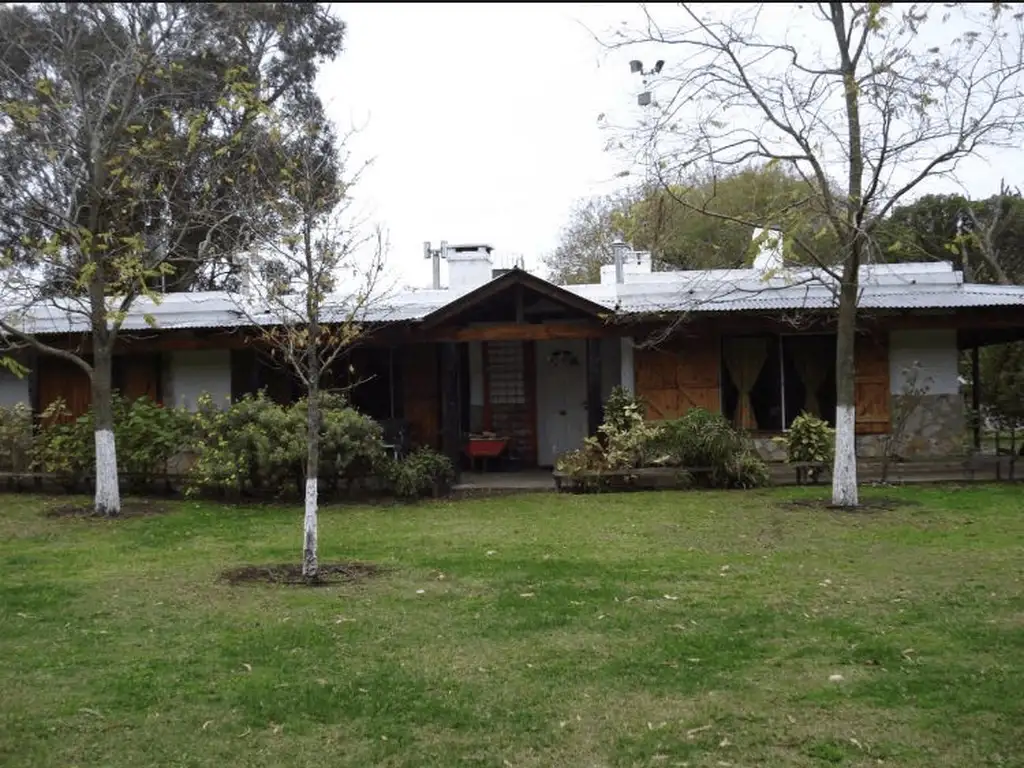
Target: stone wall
x=935, y=429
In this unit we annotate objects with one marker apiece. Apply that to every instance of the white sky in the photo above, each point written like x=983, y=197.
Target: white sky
x=481, y=121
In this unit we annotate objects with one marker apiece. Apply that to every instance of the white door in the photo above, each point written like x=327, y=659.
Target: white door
x=561, y=398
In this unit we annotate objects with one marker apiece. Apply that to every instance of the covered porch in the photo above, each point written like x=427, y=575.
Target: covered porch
x=509, y=375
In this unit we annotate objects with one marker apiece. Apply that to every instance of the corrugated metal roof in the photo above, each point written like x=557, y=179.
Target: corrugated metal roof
x=901, y=286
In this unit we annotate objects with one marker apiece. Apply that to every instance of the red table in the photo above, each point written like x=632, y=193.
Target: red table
x=484, y=448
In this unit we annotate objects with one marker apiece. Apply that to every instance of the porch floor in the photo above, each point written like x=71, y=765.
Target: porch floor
x=987, y=468
x=526, y=480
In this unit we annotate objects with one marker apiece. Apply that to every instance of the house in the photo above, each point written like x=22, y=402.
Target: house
x=510, y=354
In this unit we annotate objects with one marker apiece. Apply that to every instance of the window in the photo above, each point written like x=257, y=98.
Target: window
x=767, y=381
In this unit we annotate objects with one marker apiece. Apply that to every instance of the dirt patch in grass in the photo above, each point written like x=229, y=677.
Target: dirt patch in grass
x=867, y=506
x=129, y=509
x=289, y=574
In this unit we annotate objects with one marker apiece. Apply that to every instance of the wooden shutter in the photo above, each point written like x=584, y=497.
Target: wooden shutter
x=675, y=380
x=871, y=385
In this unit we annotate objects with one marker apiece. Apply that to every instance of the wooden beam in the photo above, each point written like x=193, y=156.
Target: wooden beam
x=451, y=437
x=519, y=332
x=593, y=385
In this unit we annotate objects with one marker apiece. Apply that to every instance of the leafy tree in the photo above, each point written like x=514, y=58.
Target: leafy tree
x=678, y=222
x=674, y=224
x=986, y=237
x=122, y=150
x=874, y=97
x=585, y=243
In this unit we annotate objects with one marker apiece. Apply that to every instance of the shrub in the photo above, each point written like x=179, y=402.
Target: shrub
x=747, y=470
x=705, y=440
x=15, y=438
x=257, y=446
x=424, y=472
x=65, y=449
x=809, y=439
x=352, y=444
x=623, y=442
x=249, y=446
x=147, y=437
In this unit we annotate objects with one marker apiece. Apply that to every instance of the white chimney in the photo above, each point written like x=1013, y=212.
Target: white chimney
x=627, y=262
x=469, y=266
x=769, y=250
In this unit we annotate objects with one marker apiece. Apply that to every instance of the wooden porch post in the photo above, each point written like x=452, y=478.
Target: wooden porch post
x=450, y=431
x=594, y=405
x=976, y=396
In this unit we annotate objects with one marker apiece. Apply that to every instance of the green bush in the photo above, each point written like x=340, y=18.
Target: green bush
x=351, y=444
x=147, y=436
x=704, y=440
x=747, y=470
x=15, y=438
x=809, y=439
x=257, y=446
x=65, y=448
x=424, y=472
x=623, y=442
x=247, y=447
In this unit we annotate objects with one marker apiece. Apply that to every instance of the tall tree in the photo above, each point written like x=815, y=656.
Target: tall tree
x=319, y=276
x=118, y=144
x=673, y=225
x=882, y=96
x=986, y=237
x=677, y=222
x=585, y=244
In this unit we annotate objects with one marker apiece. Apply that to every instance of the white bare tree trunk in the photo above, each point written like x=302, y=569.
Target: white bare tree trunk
x=310, y=563
x=310, y=566
x=108, y=494
x=107, y=500
x=844, y=468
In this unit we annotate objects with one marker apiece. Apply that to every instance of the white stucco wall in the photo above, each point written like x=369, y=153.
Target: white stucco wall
x=13, y=390
x=934, y=352
x=192, y=373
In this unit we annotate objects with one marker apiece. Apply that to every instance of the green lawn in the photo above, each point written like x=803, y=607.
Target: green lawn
x=699, y=629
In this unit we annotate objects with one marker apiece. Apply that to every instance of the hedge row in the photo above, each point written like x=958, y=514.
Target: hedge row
x=255, y=447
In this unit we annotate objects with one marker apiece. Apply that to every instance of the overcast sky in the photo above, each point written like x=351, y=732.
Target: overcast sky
x=481, y=120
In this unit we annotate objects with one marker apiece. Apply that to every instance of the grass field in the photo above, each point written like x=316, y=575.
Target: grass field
x=670, y=629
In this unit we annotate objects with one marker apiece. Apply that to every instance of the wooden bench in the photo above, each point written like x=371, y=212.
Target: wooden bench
x=809, y=471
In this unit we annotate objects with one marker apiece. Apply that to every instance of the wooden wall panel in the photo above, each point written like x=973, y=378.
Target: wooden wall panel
x=680, y=378
x=138, y=376
x=65, y=380
x=421, y=394
x=871, y=385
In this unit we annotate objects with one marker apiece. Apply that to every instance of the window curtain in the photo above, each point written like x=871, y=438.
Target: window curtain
x=811, y=363
x=744, y=359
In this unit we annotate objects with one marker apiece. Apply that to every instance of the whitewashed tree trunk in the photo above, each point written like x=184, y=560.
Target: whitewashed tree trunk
x=844, y=467
x=107, y=500
x=310, y=564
